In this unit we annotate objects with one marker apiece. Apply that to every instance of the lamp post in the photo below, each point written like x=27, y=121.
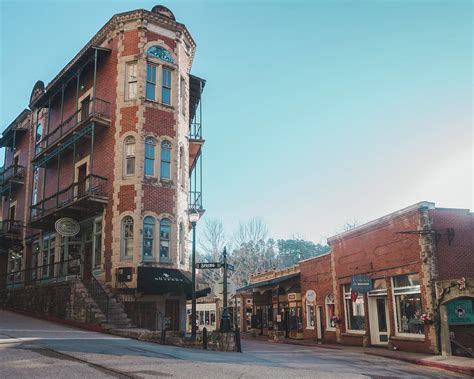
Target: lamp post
x=193, y=219
x=225, y=318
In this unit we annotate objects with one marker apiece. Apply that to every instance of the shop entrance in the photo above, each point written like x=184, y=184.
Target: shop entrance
x=172, y=313
x=379, y=326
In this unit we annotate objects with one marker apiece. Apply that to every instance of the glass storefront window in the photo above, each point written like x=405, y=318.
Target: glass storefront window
x=330, y=312
x=309, y=316
x=355, y=312
x=296, y=319
x=407, y=298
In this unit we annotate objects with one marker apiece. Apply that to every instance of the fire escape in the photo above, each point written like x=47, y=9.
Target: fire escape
x=12, y=178
x=196, y=142
x=85, y=196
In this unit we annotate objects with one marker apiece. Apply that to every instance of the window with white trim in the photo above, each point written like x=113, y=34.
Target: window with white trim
x=354, y=310
x=131, y=86
x=408, y=306
x=330, y=312
x=127, y=237
x=166, y=86
x=148, y=237
x=150, y=92
x=309, y=316
x=165, y=169
x=129, y=156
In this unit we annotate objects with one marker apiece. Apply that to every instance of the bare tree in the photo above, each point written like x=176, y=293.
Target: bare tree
x=348, y=225
x=253, y=230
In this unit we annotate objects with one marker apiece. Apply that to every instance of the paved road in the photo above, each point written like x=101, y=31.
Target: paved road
x=31, y=348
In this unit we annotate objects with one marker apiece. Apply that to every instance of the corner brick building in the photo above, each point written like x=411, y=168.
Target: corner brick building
x=419, y=264
x=102, y=170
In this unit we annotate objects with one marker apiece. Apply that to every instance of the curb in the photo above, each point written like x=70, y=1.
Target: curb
x=76, y=324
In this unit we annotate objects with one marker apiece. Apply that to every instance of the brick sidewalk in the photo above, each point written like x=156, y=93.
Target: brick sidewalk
x=451, y=363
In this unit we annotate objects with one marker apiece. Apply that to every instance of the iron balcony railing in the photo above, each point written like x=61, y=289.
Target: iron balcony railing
x=90, y=186
x=98, y=294
x=52, y=272
x=195, y=200
x=13, y=172
x=94, y=108
x=11, y=228
x=195, y=130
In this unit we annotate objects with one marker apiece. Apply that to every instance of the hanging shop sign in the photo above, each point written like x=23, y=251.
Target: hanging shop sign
x=67, y=227
x=460, y=312
x=310, y=296
x=361, y=283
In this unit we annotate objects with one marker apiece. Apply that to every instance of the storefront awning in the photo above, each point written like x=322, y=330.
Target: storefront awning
x=269, y=282
x=158, y=281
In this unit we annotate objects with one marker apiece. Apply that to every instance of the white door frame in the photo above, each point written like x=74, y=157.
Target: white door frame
x=374, y=320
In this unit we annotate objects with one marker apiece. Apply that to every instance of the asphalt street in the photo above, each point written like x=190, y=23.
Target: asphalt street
x=32, y=348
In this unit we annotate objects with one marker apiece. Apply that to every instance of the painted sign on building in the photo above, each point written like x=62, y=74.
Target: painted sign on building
x=460, y=312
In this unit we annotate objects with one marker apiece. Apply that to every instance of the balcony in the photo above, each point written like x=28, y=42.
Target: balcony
x=81, y=200
x=10, y=234
x=11, y=177
x=93, y=113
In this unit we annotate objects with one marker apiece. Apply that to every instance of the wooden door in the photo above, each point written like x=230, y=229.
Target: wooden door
x=81, y=180
x=85, y=105
x=172, y=313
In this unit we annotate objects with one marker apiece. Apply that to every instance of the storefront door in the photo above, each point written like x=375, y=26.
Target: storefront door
x=379, y=326
x=172, y=313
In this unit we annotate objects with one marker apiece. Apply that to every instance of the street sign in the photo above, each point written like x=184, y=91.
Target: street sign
x=209, y=265
x=230, y=267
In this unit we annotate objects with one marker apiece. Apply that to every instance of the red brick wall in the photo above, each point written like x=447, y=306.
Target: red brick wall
x=126, y=198
x=160, y=122
x=158, y=199
x=151, y=36
x=130, y=42
x=456, y=260
x=129, y=119
x=316, y=275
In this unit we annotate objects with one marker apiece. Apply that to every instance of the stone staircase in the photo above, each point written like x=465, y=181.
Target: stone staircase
x=110, y=313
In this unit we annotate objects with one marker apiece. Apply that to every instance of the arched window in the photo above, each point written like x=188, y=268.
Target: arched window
x=181, y=243
x=160, y=53
x=148, y=237
x=129, y=156
x=330, y=312
x=127, y=237
x=150, y=156
x=165, y=231
x=181, y=167
x=165, y=160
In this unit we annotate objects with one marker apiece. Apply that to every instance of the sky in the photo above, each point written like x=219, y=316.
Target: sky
x=315, y=113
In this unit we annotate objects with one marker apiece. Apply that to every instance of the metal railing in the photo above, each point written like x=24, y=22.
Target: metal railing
x=52, y=272
x=98, y=294
x=195, y=200
x=11, y=227
x=14, y=171
x=195, y=130
x=125, y=294
x=91, y=185
x=95, y=108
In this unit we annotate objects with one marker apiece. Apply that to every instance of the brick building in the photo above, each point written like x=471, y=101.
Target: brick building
x=102, y=170
x=390, y=282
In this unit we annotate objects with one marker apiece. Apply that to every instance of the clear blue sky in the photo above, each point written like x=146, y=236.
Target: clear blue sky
x=315, y=113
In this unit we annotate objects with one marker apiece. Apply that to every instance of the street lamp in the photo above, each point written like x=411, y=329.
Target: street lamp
x=193, y=219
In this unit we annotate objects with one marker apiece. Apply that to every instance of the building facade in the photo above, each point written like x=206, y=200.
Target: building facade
x=102, y=170
x=390, y=283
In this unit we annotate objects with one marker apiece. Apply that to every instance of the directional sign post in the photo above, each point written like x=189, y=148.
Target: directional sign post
x=211, y=265
x=230, y=267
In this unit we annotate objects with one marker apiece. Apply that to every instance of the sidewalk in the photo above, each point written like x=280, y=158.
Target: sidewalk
x=451, y=363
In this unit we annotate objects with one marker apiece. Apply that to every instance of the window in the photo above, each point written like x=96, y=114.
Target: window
x=150, y=82
x=149, y=157
x=97, y=243
x=330, y=312
x=182, y=89
x=355, y=313
x=407, y=302
x=131, y=81
x=127, y=237
x=48, y=256
x=309, y=316
x=34, y=260
x=160, y=53
x=166, y=86
x=165, y=160
x=148, y=237
x=165, y=230
x=38, y=137
x=181, y=167
x=181, y=243
x=14, y=267
x=129, y=156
